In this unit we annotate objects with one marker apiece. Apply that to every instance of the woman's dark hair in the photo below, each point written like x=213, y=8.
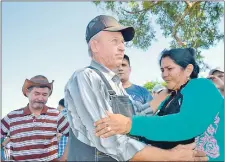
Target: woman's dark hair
x=182, y=57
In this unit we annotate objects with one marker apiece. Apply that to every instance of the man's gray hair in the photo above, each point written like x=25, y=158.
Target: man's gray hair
x=89, y=45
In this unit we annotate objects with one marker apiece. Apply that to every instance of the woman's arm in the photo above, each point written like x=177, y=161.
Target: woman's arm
x=201, y=102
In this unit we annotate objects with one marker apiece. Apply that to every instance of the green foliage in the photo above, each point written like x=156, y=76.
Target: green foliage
x=149, y=85
x=189, y=23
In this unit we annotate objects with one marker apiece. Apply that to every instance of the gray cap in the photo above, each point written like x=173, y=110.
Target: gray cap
x=157, y=88
x=215, y=69
x=108, y=23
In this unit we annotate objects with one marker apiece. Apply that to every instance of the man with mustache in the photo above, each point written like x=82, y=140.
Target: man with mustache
x=33, y=128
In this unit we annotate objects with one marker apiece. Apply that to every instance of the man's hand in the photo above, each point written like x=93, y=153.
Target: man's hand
x=58, y=136
x=187, y=153
x=179, y=153
x=112, y=125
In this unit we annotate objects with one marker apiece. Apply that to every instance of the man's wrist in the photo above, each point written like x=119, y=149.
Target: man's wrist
x=128, y=125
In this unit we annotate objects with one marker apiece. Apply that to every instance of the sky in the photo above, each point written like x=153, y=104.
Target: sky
x=48, y=38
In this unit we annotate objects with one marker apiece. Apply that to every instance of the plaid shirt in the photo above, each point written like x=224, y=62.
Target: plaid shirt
x=62, y=145
x=63, y=138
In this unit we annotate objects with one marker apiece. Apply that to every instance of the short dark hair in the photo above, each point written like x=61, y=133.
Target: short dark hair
x=127, y=58
x=61, y=102
x=31, y=87
x=182, y=57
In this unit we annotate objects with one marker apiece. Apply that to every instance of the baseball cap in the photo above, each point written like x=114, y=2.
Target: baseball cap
x=157, y=88
x=108, y=23
x=215, y=69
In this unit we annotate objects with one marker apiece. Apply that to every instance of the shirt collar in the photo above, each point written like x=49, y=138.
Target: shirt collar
x=109, y=74
x=26, y=110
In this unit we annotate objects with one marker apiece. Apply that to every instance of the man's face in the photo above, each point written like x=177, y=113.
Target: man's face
x=219, y=74
x=108, y=49
x=60, y=108
x=124, y=71
x=38, y=97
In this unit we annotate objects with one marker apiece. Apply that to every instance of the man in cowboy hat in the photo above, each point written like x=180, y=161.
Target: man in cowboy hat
x=33, y=128
x=91, y=91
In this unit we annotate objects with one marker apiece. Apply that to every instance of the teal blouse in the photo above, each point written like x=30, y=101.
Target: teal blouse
x=201, y=114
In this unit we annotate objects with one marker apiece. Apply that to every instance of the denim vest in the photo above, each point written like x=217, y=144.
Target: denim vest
x=79, y=151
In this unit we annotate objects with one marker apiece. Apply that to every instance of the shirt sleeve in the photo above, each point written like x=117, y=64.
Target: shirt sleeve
x=63, y=125
x=90, y=98
x=142, y=109
x=148, y=96
x=201, y=102
x=5, y=124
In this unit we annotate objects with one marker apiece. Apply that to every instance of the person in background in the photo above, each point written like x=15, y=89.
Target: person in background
x=217, y=76
x=33, y=128
x=62, y=138
x=137, y=92
x=157, y=89
x=5, y=149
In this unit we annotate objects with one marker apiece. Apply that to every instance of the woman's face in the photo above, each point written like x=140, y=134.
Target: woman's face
x=174, y=75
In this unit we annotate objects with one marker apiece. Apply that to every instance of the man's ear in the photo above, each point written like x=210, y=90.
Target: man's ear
x=130, y=69
x=94, y=45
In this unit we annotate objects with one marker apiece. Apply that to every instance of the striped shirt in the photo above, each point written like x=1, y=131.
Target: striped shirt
x=34, y=138
x=87, y=99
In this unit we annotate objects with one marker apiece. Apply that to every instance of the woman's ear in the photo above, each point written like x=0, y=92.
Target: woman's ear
x=188, y=70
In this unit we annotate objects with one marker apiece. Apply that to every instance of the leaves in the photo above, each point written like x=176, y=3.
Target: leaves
x=189, y=23
x=149, y=85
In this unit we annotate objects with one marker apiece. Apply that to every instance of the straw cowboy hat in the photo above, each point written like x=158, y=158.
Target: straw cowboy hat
x=40, y=81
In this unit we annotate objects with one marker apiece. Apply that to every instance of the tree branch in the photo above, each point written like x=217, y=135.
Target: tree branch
x=189, y=4
x=144, y=10
x=186, y=12
x=130, y=12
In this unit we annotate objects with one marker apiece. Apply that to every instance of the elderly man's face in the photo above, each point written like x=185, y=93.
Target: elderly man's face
x=108, y=49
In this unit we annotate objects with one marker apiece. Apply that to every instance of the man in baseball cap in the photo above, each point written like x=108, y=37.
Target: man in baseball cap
x=108, y=23
x=216, y=71
x=217, y=76
x=158, y=88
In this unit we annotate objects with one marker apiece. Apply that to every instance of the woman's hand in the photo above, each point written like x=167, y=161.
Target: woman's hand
x=112, y=125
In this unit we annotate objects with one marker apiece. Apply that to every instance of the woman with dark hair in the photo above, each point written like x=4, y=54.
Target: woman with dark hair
x=192, y=112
